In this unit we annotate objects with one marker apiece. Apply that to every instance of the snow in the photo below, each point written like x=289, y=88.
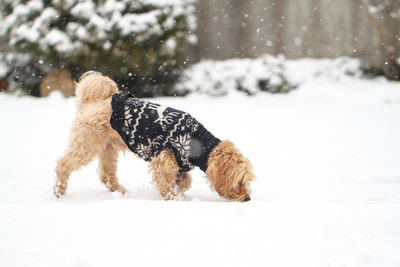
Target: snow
x=35, y=5
x=47, y=16
x=327, y=193
x=8, y=61
x=138, y=23
x=219, y=77
x=376, y=9
x=3, y=66
x=83, y=9
x=59, y=40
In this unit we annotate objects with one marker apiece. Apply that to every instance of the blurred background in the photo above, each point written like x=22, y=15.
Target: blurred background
x=308, y=28
x=149, y=46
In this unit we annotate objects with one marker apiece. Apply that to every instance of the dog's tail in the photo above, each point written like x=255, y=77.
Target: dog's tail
x=93, y=86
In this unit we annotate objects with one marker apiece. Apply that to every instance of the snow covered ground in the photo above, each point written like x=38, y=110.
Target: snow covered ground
x=327, y=160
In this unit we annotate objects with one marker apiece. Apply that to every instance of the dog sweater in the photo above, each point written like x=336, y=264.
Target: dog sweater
x=148, y=128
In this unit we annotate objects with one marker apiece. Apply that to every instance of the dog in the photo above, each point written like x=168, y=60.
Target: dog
x=172, y=141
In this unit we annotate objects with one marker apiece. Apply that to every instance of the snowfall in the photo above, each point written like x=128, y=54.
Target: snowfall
x=326, y=156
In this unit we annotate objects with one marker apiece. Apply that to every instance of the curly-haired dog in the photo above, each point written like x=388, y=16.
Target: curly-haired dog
x=108, y=122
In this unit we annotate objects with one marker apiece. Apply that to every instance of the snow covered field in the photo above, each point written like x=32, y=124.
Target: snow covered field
x=327, y=160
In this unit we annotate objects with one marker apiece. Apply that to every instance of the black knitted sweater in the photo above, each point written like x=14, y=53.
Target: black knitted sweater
x=148, y=128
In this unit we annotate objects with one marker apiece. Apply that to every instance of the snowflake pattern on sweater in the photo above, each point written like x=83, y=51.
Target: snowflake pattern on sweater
x=148, y=128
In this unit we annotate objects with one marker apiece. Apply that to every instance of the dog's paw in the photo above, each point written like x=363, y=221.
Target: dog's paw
x=119, y=192
x=59, y=189
x=121, y=189
x=113, y=186
x=168, y=195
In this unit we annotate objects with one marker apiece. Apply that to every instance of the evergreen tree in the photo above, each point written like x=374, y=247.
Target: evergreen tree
x=139, y=43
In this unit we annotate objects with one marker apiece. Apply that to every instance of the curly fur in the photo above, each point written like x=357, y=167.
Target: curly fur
x=93, y=87
x=229, y=172
x=92, y=137
x=166, y=176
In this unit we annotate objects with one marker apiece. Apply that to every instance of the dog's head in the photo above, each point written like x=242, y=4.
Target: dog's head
x=93, y=86
x=230, y=172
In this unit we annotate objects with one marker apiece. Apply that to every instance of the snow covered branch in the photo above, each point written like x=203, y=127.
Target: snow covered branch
x=114, y=36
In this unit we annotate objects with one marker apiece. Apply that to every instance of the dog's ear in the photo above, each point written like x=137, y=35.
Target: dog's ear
x=238, y=184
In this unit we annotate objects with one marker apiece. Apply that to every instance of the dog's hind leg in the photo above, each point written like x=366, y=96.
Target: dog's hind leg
x=107, y=170
x=165, y=171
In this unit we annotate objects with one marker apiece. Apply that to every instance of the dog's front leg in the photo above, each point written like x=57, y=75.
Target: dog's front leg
x=72, y=160
x=165, y=169
x=80, y=152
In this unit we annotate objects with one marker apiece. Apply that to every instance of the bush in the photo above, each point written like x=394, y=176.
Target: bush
x=266, y=73
x=22, y=72
x=249, y=76
x=138, y=43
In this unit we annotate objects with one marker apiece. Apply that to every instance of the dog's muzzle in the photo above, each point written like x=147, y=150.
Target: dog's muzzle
x=247, y=198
